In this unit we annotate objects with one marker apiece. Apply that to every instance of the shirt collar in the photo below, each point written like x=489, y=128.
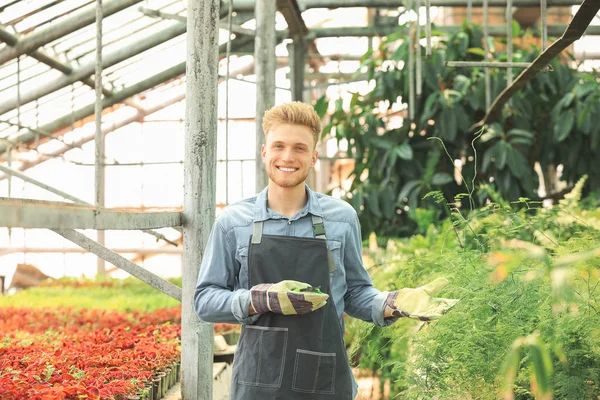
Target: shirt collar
x=261, y=213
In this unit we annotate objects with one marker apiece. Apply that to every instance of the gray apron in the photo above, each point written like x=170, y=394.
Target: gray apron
x=292, y=356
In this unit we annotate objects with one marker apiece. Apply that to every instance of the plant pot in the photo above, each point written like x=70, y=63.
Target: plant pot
x=168, y=377
x=163, y=381
x=148, y=391
x=156, y=387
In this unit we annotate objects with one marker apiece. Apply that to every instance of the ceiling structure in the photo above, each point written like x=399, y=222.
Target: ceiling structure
x=48, y=50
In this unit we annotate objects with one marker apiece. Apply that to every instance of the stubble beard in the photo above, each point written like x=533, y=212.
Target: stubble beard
x=285, y=183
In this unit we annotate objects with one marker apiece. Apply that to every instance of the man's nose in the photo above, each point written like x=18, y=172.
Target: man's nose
x=288, y=155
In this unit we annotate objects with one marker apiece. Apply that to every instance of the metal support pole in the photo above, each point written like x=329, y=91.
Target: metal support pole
x=265, y=60
x=543, y=11
x=103, y=253
x=9, y=162
x=99, y=137
x=470, y=11
x=428, y=28
x=227, y=56
x=199, y=189
x=488, y=86
x=12, y=172
x=411, y=65
x=509, y=41
x=297, y=60
x=419, y=55
x=9, y=171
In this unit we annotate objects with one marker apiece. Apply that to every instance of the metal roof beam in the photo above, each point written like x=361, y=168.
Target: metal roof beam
x=94, y=247
x=47, y=59
x=139, y=116
x=248, y=5
x=81, y=19
x=116, y=97
x=498, y=30
x=88, y=69
x=573, y=32
x=291, y=12
x=25, y=213
x=88, y=110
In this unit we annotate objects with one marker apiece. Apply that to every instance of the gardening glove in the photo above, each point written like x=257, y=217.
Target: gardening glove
x=419, y=303
x=287, y=298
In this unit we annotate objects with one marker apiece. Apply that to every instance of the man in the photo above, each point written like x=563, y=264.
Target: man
x=287, y=264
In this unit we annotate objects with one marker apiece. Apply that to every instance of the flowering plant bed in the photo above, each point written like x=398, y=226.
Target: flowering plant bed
x=84, y=354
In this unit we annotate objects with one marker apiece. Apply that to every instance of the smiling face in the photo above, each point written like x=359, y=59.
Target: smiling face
x=289, y=154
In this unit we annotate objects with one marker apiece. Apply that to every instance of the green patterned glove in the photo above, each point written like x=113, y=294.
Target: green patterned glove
x=287, y=298
x=419, y=303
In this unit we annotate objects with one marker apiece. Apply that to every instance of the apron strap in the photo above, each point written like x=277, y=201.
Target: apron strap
x=257, y=231
x=318, y=227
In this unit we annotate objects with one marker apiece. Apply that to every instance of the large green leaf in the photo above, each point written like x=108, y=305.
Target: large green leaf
x=388, y=201
x=564, y=124
x=463, y=43
x=542, y=368
x=357, y=200
x=487, y=158
x=595, y=137
x=585, y=88
x=516, y=162
x=521, y=133
x=431, y=107
x=321, y=106
x=585, y=119
x=382, y=142
x=401, y=52
x=404, y=151
x=441, y=178
x=516, y=29
x=407, y=189
x=492, y=132
x=373, y=204
x=477, y=51
x=446, y=125
x=502, y=150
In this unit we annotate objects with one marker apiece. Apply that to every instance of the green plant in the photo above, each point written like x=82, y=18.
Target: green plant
x=528, y=323
x=550, y=122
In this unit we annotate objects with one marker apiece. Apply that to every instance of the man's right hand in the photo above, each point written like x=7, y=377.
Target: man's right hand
x=286, y=297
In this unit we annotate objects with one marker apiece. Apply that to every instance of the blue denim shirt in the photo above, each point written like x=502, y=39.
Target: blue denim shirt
x=222, y=292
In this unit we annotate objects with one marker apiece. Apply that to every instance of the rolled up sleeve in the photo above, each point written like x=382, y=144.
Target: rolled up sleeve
x=361, y=300
x=215, y=299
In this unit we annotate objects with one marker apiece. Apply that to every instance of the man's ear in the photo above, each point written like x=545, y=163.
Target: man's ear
x=263, y=152
x=315, y=157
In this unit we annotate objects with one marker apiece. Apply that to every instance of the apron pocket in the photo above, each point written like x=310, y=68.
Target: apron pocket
x=262, y=353
x=314, y=372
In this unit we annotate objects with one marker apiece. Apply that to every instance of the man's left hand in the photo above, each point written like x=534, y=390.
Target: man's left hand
x=419, y=303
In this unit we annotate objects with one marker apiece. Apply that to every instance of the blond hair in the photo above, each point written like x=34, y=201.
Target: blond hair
x=296, y=113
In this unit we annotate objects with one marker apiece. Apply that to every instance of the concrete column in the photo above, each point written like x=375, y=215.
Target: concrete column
x=199, y=189
x=265, y=61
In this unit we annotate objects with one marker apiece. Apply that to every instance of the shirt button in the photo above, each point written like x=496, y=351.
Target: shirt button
x=289, y=222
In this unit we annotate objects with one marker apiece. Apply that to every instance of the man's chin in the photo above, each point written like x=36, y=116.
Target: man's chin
x=288, y=185
x=284, y=183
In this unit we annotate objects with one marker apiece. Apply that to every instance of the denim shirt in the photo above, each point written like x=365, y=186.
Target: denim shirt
x=222, y=292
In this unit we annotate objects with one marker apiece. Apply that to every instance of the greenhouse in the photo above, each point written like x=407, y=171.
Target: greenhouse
x=299, y=199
